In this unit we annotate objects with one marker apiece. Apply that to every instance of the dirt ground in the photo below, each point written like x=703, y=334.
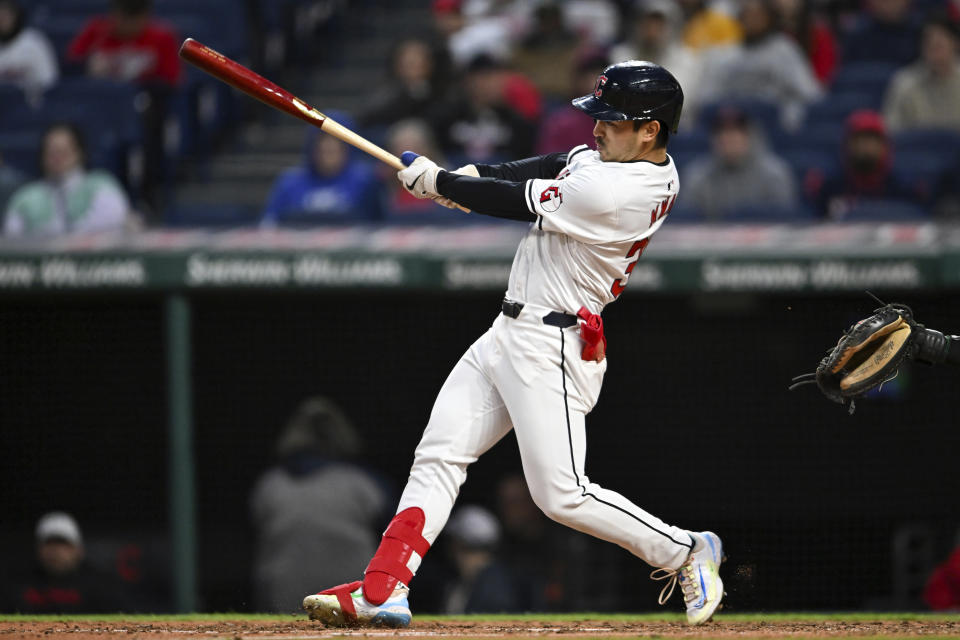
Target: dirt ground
x=300, y=628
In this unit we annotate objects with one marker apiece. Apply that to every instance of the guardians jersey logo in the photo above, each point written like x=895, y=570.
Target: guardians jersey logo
x=551, y=199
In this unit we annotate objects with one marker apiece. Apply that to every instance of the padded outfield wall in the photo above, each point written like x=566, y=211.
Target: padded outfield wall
x=819, y=509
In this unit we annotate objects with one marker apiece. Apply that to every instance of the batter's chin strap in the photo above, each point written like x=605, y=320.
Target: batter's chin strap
x=403, y=538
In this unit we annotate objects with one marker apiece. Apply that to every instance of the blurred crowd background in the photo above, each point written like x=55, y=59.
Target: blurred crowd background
x=796, y=111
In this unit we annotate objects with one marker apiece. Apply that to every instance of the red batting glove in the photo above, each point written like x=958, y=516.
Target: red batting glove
x=591, y=331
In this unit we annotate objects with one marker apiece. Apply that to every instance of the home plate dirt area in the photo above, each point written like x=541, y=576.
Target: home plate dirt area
x=593, y=626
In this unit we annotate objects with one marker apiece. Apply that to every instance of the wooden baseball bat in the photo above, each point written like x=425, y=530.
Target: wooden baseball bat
x=256, y=86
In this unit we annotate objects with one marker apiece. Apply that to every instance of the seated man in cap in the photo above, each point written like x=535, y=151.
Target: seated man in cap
x=60, y=581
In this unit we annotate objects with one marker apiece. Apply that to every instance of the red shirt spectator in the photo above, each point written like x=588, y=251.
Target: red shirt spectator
x=942, y=592
x=128, y=44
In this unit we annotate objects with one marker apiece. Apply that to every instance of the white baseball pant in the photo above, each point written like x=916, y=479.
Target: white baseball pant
x=526, y=375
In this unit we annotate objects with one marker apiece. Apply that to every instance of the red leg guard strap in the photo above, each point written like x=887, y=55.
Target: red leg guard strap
x=390, y=567
x=400, y=541
x=408, y=535
x=343, y=592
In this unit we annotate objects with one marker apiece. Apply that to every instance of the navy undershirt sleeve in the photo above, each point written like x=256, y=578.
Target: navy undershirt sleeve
x=544, y=167
x=487, y=196
x=499, y=191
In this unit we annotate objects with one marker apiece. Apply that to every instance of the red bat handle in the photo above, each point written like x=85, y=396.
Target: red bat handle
x=247, y=81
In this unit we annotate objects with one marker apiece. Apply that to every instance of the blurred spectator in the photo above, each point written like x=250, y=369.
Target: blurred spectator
x=564, y=127
x=479, y=125
x=596, y=22
x=547, y=50
x=927, y=93
x=69, y=198
x=942, y=592
x=866, y=172
x=332, y=185
x=655, y=36
x=484, y=584
x=399, y=204
x=946, y=193
x=769, y=66
x=812, y=33
x=27, y=59
x=412, y=87
x=533, y=546
x=707, y=27
x=10, y=180
x=739, y=172
x=316, y=513
x=61, y=581
x=130, y=45
x=887, y=31
x=482, y=34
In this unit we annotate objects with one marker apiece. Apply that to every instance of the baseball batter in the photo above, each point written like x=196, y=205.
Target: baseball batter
x=539, y=368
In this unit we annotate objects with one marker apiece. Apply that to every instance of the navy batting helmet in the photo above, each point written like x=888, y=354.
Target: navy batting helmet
x=635, y=90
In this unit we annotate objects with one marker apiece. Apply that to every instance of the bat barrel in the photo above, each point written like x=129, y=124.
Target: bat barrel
x=249, y=82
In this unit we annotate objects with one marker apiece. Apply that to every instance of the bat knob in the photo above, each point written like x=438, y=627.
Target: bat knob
x=407, y=157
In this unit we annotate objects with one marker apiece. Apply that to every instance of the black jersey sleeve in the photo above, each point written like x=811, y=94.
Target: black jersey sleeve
x=545, y=167
x=487, y=196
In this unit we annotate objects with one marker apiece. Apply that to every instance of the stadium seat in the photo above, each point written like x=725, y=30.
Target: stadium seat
x=823, y=136
x=863, y=77
x=921, y=169
x=211, y=216
x=689, y=144
x=765, y=114
x=19, y=150
x=940, y=142
x=886, y=211
x=835, y=107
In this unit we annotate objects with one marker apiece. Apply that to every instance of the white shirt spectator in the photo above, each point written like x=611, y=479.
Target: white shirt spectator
x=28, y=61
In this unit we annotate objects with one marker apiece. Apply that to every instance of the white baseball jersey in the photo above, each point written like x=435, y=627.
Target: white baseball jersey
x=593, y=222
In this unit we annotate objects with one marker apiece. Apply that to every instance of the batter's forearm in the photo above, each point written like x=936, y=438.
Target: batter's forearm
x=487, y=196
x=545, y=167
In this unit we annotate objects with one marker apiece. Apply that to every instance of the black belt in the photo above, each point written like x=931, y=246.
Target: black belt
x=512, y=309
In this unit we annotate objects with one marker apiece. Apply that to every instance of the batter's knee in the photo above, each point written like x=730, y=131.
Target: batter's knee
x=558, y=505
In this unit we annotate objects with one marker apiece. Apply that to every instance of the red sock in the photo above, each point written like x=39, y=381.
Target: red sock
x=403, y=536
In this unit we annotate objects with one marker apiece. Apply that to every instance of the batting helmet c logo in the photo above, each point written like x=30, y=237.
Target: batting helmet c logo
x=598, y=90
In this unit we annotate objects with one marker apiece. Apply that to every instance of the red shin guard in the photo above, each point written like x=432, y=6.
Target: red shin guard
x=402, y=538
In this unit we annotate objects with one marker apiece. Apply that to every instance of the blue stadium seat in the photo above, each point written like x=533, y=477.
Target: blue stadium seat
x=806, y=163
x=835, y=107
x=863, y=77
x=940, y=142
x=765, y=114
x=211, y=216
x=689, y=144
x=886, y=211
x=825, y=136
x=20, y=150
x=921, y=169
x=60, y=28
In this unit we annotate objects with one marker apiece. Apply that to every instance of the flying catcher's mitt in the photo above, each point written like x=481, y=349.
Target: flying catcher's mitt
x=869, y=353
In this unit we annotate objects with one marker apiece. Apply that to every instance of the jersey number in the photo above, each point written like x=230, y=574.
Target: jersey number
x=637, y=249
